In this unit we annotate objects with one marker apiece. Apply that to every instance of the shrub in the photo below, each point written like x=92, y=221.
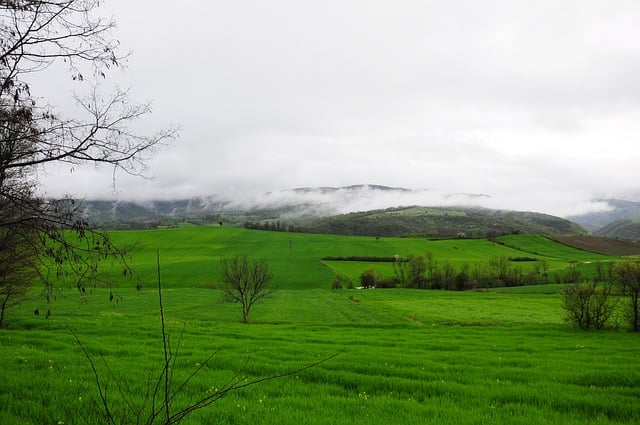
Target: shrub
x=369, y=278
x=391, y=282
x=587, y=304
x=340, y=281
x=626, y=274
x=573, y=275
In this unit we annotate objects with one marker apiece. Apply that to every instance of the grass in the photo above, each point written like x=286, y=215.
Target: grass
x=407, y=356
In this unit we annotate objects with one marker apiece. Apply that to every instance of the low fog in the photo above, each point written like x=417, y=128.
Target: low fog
x=534, y=104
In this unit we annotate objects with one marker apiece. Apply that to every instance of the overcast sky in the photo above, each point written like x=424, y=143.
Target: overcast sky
x=534, y=103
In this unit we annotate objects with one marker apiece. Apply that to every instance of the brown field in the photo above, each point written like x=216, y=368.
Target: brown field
x=600, y=245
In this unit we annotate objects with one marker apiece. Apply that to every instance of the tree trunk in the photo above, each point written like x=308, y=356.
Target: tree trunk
x=3, y=308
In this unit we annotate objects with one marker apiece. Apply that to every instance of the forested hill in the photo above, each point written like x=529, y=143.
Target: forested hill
x=443, y=222
x=621, y=229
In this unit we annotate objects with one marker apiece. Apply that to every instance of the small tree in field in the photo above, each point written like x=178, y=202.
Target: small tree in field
x=627, y=276
x=368, y=278
x=246, y=282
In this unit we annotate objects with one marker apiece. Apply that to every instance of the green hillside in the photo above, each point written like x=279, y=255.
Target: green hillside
x=621, y=229
x=443, y=222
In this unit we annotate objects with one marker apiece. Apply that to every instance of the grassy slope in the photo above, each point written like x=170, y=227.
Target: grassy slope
x=543, y=246
x=408, y=356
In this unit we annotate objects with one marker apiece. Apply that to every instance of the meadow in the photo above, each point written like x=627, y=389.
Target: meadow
x=404, y=356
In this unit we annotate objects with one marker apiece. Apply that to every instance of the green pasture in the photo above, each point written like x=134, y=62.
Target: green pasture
x=190, y=256
x=406, y=356
x=504, y=356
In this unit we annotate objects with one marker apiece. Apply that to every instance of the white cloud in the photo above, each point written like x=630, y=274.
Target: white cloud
x=534, y=103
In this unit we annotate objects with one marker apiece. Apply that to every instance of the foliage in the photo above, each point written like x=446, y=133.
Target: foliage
x=246, y=282
x=369, y=278
x=426, y=273
x=627, y=275
x=588, y=305
x=17, y=270
x=417, y=269
x=340, y=281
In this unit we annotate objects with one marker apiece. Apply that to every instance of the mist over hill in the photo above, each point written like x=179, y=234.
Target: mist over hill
x=300, y=204
x=358, y=209
x=600, y=221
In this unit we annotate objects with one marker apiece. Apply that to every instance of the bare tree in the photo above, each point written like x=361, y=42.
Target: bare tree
x=34, y=35
x=246, y=282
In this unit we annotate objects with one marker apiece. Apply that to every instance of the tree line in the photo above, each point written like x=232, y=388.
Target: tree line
x=273, y=226
x=426, y=272
x=588, y=303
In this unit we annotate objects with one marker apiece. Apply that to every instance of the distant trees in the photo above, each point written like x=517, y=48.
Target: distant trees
x=626, y=274
x=245, y=281
x=273, y=226
x=341, y=281
x=425, y=272
x=410, y=273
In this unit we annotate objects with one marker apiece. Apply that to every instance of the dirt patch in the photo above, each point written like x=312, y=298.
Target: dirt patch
x=600, y=245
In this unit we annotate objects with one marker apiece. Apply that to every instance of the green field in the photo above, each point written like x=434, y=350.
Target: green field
x=189, y=255
x=406, y=356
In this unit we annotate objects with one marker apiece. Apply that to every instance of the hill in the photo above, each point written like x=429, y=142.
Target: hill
x=618, y=210
x=621, y=229
x=332, y=210
x=443, y=222
x=294, y=207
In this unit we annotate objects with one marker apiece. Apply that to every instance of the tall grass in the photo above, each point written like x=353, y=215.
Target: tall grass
x=408, y=356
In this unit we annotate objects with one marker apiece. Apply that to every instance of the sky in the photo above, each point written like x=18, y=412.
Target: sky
x=533, y=103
